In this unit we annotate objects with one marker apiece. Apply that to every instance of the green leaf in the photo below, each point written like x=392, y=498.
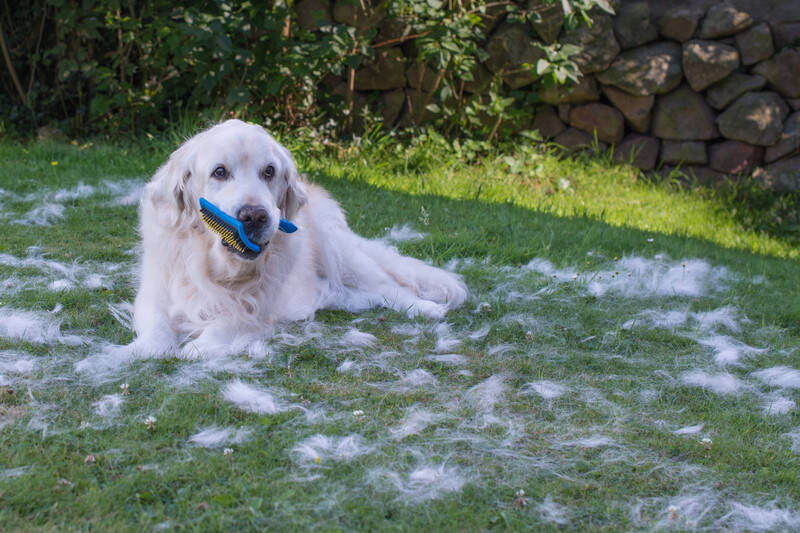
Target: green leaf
x=605, y=6
x=570, y=49
x=541, y=66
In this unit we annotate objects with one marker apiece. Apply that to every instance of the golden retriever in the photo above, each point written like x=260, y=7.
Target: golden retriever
x=197, y=296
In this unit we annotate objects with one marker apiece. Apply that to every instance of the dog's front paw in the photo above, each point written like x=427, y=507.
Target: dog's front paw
x=204, y=347
x=444, y=288
x=152, y=346
x=428, y=309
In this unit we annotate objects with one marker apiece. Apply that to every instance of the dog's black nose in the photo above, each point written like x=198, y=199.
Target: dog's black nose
x=252, y=216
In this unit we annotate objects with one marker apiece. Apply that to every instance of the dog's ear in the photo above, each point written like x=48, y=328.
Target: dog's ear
x=171, y=188
x=296, y=194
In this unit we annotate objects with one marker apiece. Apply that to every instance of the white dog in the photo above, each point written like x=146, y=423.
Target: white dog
x=197, y=294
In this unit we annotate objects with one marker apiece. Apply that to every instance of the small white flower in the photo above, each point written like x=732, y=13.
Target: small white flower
x=485, y=307
x=706, y=442
x=650, y=239
x=358, y=413
x=227, y=452
x=673, y=512
x=529, y=335
x=89, y=460
x=150, y=422
x=124, y=389
x=519, y=499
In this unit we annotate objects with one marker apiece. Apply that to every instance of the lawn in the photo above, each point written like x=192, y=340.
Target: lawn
x=629, y=359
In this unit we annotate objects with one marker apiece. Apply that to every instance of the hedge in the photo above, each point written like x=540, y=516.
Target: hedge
x=116, y=67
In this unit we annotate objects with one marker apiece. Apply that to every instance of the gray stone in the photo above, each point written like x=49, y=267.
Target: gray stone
x=360, y=107
x=607, y=122
x=413, y=112
x=50, y=133
x=386, y=71
x=549, y=20
x=509, y=50
x=679, y=23
x=734, y=157
x=563, y=112
x=493, y=15
x=755, y=44
x=639, y=150
x=692, y=175
x=635, y=109
x=707, y=62
x=683, y=115
x=361, y=16
x=312, y=14
x=547, y=123
x=417, y=76
x=732, y=87
x=393, y=31
x=754, y=118
x=481, y=78
x=573, y=139
x=650, y=69
x=598, y=45
x=781, y=176
x=705, y=176
x=786, y=34
x=632, y=25
x=722, y=20
x=683, y=153
x=584, y=91
x=789, y=140
x=392, y=104
x=782, y=72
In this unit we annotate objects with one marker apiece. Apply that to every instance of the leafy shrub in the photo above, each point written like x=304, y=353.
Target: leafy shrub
x=114, y=67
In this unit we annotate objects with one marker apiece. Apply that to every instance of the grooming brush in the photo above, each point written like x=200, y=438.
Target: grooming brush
x=232, y=231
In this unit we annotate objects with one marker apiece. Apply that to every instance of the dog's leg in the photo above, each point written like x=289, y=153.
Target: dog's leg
x=154, y=333
x=215, y=341
x=378, y=274
x=426, y=282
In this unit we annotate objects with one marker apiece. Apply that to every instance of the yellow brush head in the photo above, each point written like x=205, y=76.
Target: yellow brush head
x=229, y=237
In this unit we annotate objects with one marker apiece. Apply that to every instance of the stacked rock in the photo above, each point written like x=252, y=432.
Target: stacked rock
x=706, y=90
x=702, y=85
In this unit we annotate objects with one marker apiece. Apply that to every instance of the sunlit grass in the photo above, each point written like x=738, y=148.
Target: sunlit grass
x=620, y=384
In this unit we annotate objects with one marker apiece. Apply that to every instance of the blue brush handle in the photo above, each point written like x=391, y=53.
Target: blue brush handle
x=284, y=225
x=232, y=222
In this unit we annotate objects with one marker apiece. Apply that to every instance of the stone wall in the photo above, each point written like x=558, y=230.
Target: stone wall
x=713, y=87
x=701, y=84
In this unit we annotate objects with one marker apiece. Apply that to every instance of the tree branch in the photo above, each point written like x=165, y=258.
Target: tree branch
x=11, y=70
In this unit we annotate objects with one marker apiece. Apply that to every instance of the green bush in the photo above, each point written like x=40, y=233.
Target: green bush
x=116, y=67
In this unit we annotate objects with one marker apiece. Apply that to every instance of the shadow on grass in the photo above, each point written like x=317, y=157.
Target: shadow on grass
x=505, y=233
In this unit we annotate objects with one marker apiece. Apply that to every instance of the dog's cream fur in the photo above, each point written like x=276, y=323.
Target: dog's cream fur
x=197, y=296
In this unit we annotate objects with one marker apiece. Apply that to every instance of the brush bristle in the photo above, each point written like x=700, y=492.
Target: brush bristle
x=229, y=235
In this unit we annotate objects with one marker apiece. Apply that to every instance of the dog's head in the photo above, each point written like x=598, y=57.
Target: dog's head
x=238, y=167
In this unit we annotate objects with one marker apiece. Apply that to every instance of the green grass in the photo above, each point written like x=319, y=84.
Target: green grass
x=621, y=384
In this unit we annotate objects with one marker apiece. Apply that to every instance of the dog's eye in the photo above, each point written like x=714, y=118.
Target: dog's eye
x=269, y=172
x=220, y=173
